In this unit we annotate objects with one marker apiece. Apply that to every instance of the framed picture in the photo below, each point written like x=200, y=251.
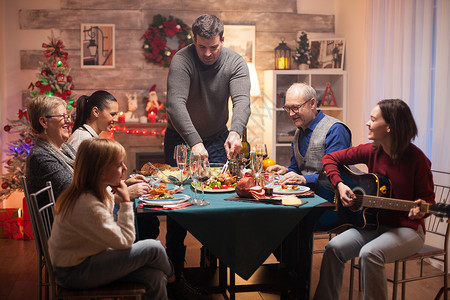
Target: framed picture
x=97, y=46
x=327, y=53
x=241, y=39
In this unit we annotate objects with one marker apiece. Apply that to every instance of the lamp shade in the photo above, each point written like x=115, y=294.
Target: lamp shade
x=254, y=82
x=282, y=56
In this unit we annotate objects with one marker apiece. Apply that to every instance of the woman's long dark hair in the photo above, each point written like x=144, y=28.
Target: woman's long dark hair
x=85, y=104
x=403, y=128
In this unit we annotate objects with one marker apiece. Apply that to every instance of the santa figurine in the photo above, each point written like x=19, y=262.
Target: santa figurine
x=153, y=104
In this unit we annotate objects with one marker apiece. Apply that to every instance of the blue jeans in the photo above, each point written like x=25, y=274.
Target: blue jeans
x=215, y=147
x=146, y=262
x=175, y=233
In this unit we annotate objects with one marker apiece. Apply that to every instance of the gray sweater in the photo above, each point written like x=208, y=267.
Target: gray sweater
x=43, y=166
x=197, y=95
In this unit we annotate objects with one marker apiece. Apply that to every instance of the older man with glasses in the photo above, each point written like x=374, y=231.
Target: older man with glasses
x=317, y=134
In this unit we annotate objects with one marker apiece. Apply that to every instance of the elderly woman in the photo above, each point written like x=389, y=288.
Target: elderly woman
x=51, y=159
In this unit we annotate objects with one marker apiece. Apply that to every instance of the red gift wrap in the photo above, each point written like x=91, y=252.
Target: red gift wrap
x=10, y=223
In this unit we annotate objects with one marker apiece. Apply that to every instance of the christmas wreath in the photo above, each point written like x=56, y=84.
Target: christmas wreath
x=155, y=39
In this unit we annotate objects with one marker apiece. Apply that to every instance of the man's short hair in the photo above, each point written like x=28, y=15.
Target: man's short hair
x=303, y=90
x=207, y=27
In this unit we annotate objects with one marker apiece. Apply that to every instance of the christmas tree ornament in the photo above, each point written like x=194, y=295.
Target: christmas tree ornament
x=28, y=140
x=5, y=185
x=7, y=128
x=61, y=78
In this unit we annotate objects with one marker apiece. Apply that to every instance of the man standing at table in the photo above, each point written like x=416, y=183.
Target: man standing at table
x=202, y=77
x=317, y=134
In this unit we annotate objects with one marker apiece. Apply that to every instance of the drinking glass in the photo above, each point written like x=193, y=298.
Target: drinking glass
x=261, y=153
x=200, y=172
x=180, y=155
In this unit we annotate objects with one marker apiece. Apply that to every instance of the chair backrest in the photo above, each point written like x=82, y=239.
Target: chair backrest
x=435, y=224
x=43, y=219
x=32, y=219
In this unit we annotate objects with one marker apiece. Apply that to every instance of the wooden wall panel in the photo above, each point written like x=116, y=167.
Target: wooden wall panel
x=273, y=20
x=71, y=19
x=101, y=4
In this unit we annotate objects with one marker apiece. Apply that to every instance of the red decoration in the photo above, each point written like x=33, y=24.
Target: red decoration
x=10, y=223
x=61, y=78
x=28, y=140
x=155, y=44
x=7, y=128
x=9, y=162
x=152, y=117
x=121, y=117
x=5, y=185
x=69, y=78
x=23, y=114
x=328, y=97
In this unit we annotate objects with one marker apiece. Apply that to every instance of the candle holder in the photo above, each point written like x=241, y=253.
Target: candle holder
x=282, y=56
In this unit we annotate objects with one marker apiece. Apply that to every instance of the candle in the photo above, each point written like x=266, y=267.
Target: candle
x=282, y=63
x=121, y=118
x=152, y=117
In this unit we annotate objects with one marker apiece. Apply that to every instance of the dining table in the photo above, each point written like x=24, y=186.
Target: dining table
x=242, y=233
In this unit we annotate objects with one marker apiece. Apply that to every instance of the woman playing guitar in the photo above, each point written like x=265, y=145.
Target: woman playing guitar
x=399, y=234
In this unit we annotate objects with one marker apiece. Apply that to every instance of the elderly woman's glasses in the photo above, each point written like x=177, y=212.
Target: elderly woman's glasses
x=295, y=108
x=66, y=117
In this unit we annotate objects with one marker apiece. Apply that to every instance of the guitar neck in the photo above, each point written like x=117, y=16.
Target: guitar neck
x=390, y=203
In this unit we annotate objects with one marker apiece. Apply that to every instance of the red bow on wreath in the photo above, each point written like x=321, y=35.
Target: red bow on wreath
x=170, y=27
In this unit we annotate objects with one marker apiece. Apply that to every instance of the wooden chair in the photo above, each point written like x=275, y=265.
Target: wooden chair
x=435, y=226
x=42, y=219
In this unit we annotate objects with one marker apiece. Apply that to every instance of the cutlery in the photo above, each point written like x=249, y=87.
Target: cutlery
x=171, y=178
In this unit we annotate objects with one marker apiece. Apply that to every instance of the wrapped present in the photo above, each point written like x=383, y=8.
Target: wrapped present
x=10, y=223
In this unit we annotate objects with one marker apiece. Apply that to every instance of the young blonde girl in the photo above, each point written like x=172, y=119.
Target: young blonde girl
x=87, y=247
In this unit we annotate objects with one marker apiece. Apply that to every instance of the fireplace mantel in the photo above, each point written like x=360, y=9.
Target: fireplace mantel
x=141, y=142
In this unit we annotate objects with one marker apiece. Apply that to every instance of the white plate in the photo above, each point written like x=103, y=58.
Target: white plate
x=301, y=189
x=213, y=191
x=180, y=198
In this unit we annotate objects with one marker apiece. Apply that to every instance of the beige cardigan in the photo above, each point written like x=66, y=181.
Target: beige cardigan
x=90, y=229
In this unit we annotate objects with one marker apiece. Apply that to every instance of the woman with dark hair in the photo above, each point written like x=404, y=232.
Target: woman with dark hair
x=399, y=234
x=95, y=113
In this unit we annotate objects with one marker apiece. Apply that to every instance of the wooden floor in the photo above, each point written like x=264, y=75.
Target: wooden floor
x=18, y=273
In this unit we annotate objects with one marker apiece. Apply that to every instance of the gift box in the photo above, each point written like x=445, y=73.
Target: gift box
x=10, y=223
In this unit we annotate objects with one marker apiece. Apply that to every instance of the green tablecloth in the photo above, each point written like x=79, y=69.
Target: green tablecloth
x=241, y=234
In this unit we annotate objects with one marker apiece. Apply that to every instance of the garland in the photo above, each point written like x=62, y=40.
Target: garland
x=155, y=39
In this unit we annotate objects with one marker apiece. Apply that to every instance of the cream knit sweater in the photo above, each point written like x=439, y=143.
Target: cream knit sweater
x=90, y=229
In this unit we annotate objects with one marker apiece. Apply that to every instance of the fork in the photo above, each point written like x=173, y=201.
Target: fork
x=225, y=167
x=171, y=178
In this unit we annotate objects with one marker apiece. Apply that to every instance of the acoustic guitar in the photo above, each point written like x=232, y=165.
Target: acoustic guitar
x=373, y=192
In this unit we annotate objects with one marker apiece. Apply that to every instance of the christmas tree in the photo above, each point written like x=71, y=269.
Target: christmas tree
x=53, y=80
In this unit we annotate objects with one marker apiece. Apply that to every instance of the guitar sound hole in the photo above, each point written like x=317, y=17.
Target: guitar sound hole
x=357, y=204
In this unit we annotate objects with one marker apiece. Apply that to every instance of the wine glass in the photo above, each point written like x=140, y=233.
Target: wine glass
x=180, y=155
x=200, y=172
x=261, y=154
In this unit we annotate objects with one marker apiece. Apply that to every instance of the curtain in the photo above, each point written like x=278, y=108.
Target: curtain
x=404, y=40
x=441, y=112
